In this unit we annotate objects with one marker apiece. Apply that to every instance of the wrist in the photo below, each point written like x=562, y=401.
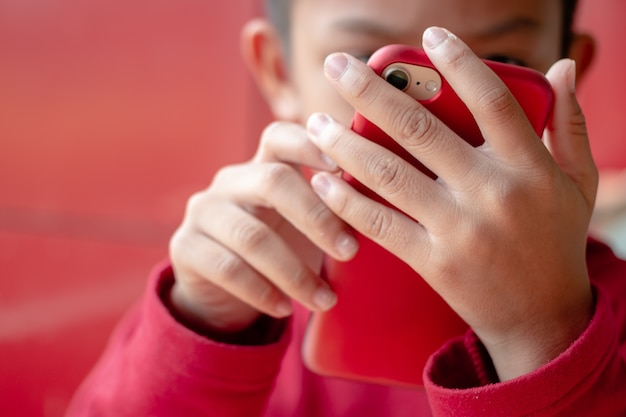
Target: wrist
x=254, y=329
x=548, y=336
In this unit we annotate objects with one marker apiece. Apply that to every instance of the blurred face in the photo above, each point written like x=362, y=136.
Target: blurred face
x=524, y=32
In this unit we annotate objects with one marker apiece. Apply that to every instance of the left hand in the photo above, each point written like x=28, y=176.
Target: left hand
x=502, y=231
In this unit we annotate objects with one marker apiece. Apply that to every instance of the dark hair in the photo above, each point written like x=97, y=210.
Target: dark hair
x=569, y=13
x=279, y=11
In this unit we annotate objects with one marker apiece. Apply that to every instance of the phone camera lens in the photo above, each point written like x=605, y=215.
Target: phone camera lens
x=398, y=78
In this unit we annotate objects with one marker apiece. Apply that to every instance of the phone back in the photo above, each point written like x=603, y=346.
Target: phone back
x=387, y=320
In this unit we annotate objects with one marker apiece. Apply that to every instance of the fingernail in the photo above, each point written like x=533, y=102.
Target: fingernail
x=316, y=124
x=284, y=308
x=336, y=65
x=321, y=184
x=324, y=298
x=330, y=164
x=346, y=245
x=572, y=77
x=435, y=36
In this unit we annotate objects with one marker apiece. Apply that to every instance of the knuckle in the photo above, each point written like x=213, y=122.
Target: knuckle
x=378, y=224
x=298, y=279
x=227, y=267
x=275, y=176
x=196, y=208
x=178, y=245
x=223, y=174
x=275, y=124
x=510, y=201
x=363, y=88
x=501, y=195
x=578, y=122
x=195, y=202
x=445, y=269
x=318, y=215
x=270, y=130
x=497, y=103
x=271, y=138
x=417, y=129
x=388, y=174
x=265, y=295
x=251, y=236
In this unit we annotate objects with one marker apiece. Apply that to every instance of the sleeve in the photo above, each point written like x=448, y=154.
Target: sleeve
x=588, y=379
x=155, y=366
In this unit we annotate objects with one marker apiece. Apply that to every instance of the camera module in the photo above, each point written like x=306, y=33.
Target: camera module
x=397, y=77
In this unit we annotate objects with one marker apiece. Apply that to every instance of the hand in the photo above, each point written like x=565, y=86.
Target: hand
x=254, y=239
x=502, y=232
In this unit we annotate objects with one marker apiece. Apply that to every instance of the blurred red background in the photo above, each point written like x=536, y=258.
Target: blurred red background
x=111, y=114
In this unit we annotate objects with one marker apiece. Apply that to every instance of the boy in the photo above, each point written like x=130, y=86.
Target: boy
x=502, y=232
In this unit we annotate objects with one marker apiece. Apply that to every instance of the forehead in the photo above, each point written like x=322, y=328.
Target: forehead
x=464, y=17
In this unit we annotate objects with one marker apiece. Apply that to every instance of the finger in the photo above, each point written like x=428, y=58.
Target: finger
x=401, y=117
x=388, y=227
x=288, y=142
x=502, y=121
x=257, y=245
x=388, y=175
x=207, y=262
x=566, y=136
x=280, y=187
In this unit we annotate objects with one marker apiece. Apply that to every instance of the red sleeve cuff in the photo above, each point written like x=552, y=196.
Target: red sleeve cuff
x=189, y=352
x=457, y=376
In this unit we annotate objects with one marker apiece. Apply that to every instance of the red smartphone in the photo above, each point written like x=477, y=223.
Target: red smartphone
x=387, y=320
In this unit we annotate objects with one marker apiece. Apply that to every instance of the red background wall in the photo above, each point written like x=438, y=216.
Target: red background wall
x=603, y=91
x=111, y=114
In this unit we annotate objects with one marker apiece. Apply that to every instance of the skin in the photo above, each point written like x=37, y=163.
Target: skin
x=502, y=232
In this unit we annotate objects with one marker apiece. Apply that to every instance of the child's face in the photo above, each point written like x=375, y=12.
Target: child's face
x=526, y=32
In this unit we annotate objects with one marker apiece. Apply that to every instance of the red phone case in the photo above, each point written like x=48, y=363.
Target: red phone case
x=387, y=320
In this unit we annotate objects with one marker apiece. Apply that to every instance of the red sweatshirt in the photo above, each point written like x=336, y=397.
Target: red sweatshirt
x=156, y=367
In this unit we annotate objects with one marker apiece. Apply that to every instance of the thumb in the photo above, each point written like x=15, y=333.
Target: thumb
x=566, y=135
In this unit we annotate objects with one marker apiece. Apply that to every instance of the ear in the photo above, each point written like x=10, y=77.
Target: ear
x=263, y=53
x=582, y=50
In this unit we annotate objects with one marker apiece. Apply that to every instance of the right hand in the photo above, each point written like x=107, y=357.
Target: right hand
x=254, y=239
